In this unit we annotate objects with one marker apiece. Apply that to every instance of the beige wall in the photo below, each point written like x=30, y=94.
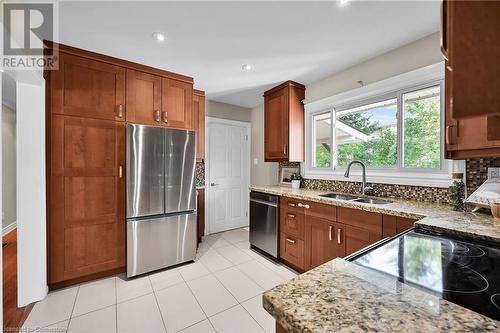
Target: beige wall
x=8, y=165
x=227, y=111
x=420, y=53
x=262, y=173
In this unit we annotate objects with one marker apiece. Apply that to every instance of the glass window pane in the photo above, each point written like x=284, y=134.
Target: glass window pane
x=322, y=140
x=368, y=133
x=421, y=136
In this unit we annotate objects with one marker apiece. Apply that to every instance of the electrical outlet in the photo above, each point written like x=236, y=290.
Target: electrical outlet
x=493, y=173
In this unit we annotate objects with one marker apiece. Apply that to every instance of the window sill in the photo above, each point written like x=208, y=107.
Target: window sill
x=393, y=177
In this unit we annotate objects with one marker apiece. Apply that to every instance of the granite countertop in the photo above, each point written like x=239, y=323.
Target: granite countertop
x=340, y=296
x=345, y=297
x=431, y=216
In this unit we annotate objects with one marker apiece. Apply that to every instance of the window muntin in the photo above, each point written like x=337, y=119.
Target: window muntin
x=322, y=129
x=422, y=128
x=368, y=133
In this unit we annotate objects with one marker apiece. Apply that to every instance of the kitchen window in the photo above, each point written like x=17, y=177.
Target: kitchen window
x=397, y=131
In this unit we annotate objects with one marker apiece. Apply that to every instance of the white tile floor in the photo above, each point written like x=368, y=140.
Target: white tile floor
x=220, y=292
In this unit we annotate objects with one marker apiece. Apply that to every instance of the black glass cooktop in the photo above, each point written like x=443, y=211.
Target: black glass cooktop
x=460, y=271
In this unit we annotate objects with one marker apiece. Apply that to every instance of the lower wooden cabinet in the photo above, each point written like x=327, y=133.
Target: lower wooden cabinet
x=312, y=233
x=292, y=250
x=86, y=229
x=324, y=241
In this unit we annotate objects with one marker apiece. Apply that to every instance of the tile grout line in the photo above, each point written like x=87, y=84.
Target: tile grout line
x=116, y=305
x=157, y=303
x=73, y=308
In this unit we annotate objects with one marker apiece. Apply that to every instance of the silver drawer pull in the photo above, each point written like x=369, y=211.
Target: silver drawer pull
x=291, y=216
x=290, y=241
x=302, y=205
x=330, y=229
x=291, y=204
x=339, y=236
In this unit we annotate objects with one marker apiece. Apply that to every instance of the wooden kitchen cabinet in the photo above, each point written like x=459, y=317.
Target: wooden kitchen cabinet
x=199, y=123
x=88, y=88
x=472, y=78
x=323, y=241
x=393, y=225
x=313, y=233
x=284, y=123
x=470, y=35
x=86, y=230
x=177, y=104
x=88, y=101
x=143, y=98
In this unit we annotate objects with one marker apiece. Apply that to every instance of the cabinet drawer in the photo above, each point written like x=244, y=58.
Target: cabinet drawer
x=292, y=205
x=324, y=211
x=292, y=250
x=359, y=218
x=292, y=223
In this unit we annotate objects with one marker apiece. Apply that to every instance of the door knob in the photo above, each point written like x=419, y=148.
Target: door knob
x=213, y=184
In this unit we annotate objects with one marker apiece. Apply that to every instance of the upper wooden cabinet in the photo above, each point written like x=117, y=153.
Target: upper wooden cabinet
x=143, y=98
x=199, y=123
x=87, y=88
x=284, y=123
x=177, y=103
x=470, y=44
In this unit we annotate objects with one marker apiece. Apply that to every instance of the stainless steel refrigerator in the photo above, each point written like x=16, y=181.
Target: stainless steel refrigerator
x=161, y=198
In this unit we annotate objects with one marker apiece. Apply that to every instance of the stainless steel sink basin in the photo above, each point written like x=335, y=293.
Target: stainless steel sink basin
x=339, y=196
x=372, y=201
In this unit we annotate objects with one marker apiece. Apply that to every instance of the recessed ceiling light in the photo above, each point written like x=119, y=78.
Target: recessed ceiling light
x=246, y=67
x=158, y=36
x=343, y=3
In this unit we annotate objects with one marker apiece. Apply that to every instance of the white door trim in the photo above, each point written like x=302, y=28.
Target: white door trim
x=208, y=122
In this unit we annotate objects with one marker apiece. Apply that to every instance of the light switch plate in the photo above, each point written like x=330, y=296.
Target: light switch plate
x=493, y=173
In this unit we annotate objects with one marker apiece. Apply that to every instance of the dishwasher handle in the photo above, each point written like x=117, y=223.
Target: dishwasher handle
x=267, y=203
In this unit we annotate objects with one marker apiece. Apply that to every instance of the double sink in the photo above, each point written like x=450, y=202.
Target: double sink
x=354, y=198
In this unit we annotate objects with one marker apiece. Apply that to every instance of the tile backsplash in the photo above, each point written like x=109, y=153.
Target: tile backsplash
x=476, y=174
x=200, y=174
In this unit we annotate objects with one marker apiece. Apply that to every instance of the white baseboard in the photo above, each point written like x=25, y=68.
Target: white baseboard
x=9, y=228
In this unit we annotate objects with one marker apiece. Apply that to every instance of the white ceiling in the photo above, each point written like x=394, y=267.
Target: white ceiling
x=303, y=41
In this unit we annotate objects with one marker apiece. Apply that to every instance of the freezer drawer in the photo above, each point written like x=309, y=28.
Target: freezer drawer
x=160, y=242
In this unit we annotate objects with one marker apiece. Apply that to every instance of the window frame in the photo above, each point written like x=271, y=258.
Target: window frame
x=394, y=87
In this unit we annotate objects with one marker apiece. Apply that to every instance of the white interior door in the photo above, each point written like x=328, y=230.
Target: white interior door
x=228, y=179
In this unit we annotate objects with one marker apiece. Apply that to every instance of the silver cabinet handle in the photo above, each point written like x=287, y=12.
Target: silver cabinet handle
x=120, y=172
x=120, y=108
x=290, y=241
x=291, y=216
x=304, y=206
x=339, y=236
x=214, y=184
x=284, y=148
x=330, y=229
x=291, y=204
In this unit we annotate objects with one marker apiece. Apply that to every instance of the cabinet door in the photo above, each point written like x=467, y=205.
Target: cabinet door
x=87, y=197
x=276, y=125
x=472, y=36
x=88, y=88
x=322, y=244
x=199, y=125
x=355, y=238
x=292, y=250
x=143, y=98
x=177, y=104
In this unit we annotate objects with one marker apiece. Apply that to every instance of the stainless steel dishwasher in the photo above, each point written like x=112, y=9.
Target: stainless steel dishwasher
x=264, y=222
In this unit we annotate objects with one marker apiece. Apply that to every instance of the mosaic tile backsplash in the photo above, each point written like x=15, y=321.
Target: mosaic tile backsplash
x=476, y=174
x=200, y=174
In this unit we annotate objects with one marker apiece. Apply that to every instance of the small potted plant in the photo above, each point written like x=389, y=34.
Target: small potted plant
x=296, y=178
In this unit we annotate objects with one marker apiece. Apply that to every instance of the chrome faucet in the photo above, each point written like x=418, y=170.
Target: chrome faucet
x=364, y=189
